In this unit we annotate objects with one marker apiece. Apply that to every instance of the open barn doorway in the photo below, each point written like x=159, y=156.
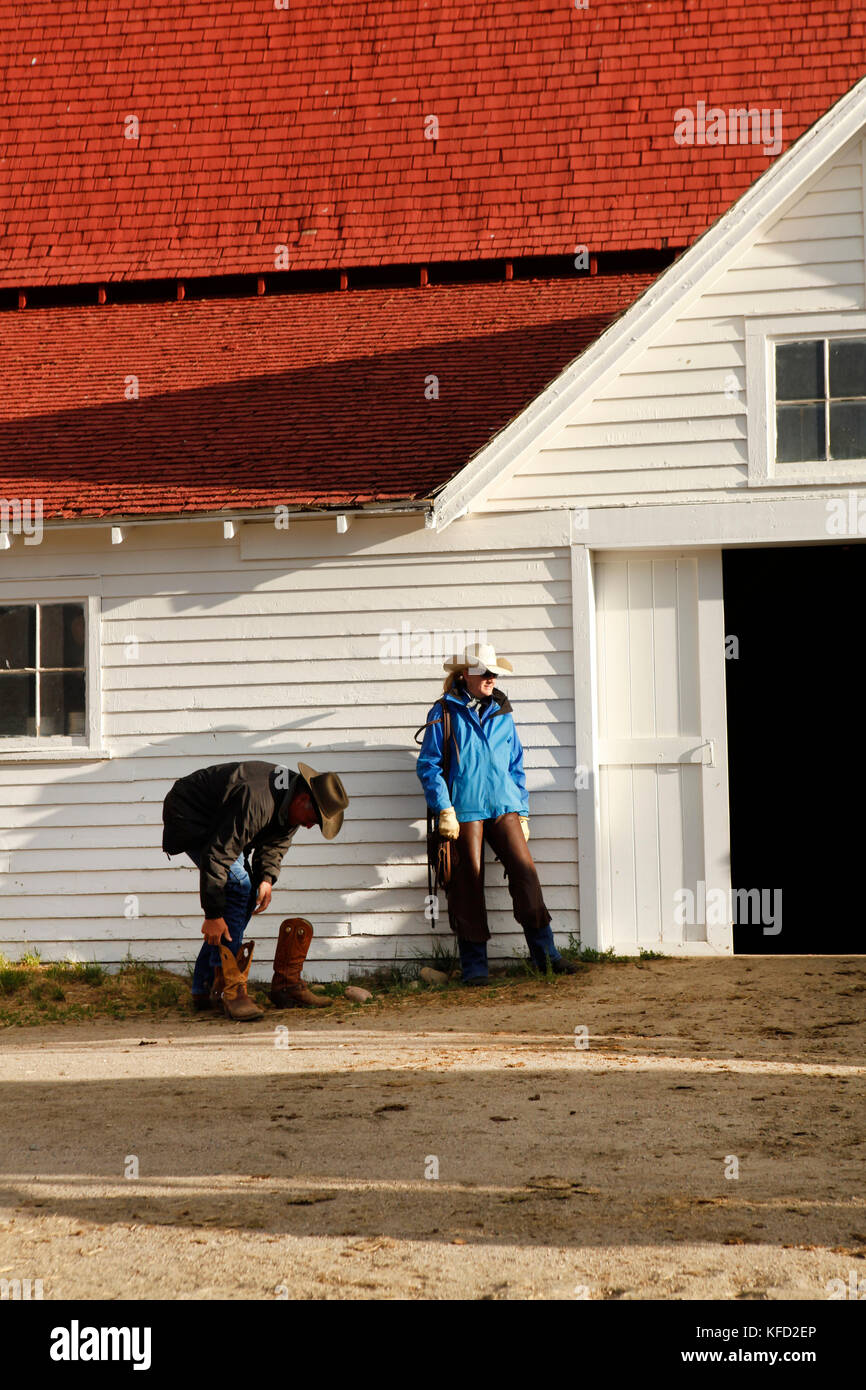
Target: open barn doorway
x=796, y=745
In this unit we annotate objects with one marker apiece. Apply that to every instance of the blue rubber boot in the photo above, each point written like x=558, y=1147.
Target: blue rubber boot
x=541, y=946
x=473, y=961
x=543, y=949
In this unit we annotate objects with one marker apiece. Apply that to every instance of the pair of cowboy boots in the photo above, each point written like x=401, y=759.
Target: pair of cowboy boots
x=229, y=988
x=288, y=990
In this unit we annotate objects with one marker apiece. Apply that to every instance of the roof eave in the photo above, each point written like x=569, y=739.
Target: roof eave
x=295, y=511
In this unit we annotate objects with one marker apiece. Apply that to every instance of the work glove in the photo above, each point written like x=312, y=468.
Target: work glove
x=449, y=826
x=524, y=826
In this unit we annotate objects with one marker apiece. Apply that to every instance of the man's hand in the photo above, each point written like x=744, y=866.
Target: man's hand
x=263, y=901
x=449, y=826
x=214, y=929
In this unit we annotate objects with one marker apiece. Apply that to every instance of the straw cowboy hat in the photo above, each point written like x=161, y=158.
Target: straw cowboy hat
x=329, y=797
x=480, y=657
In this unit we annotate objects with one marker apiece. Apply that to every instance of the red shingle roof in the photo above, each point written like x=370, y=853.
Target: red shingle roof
x=305, y=127
x=310, y=400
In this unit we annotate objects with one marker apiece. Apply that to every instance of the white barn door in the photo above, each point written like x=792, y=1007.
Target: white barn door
x=664, y=847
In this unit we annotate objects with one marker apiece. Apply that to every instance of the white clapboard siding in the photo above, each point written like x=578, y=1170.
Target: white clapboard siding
x=208, y=657
x=672, y=426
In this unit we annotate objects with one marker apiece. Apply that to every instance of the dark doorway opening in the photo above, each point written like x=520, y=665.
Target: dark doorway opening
x=797, y=744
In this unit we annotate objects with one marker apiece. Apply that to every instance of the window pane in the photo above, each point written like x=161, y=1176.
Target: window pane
x=799, y=433
x=62, y=635
x=17, y=706
x=848, y=368
x=17, y=636
x=800, y=371
x=62, y=704
x=848, y=430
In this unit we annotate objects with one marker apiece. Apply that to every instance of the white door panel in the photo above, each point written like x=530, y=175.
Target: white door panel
x=663, y=815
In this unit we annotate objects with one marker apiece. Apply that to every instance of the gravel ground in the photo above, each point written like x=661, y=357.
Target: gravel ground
x=304, y=1163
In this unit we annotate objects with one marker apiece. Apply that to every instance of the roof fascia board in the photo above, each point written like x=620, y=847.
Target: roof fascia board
x=688, y=277
x=135, y=520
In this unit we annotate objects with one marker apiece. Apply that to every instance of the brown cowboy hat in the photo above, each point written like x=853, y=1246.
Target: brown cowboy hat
x=329, y=797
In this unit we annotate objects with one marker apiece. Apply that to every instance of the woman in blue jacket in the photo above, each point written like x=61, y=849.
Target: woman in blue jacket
x=485, y=801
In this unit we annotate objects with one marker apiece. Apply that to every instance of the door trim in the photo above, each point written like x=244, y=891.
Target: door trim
x=586, y=744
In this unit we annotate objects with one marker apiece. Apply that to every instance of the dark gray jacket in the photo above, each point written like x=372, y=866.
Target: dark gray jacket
x=230, y=809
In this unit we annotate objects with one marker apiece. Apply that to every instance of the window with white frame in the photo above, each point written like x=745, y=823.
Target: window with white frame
x=820, y=400
x=806, y=398
x=43, y=672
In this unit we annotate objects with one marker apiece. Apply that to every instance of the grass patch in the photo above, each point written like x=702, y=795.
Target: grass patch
x=62, y=991
x=444, y=957
x=32, y=992
x=71, y=970
x=590, y=956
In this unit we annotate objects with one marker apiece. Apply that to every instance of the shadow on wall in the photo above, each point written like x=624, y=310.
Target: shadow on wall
x=400, y=839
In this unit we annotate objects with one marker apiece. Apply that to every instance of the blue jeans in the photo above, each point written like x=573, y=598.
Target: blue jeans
x=473, y=954
x=240, y=901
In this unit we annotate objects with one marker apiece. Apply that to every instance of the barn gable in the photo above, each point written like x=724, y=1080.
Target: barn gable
x=658, y=409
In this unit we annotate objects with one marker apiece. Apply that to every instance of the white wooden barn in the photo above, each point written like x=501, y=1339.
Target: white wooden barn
x=588, y=540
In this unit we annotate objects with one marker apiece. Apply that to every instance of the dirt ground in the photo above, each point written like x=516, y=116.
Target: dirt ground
x=303, y=1163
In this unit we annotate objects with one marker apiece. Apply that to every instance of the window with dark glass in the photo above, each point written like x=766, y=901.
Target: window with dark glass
x=42, y=670
x=821, y=400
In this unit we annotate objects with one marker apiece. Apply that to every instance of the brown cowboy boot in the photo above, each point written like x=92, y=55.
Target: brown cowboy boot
x=236, y=1002
x=215, y=998
x=288, y=990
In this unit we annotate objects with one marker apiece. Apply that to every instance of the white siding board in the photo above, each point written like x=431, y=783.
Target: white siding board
x=797, y=299
x=559, y=854
x=704, y=401
x=818, y=205
x=361, y=646
x=594, y=438
x=800, y=254
x=459, y=595
x=803, y=229
x=658, y=476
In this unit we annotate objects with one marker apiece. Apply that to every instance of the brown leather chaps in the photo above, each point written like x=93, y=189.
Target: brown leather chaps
x=467, y=912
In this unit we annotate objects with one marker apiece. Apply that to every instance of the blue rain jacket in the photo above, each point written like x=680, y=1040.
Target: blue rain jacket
x=488, y=778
